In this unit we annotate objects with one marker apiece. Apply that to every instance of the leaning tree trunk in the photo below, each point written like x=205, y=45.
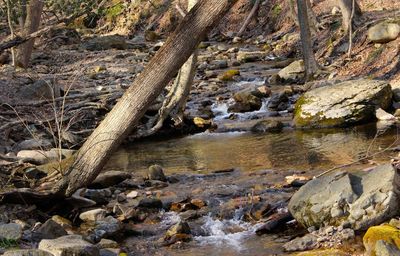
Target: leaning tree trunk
x=32, y=22
x=346, y=7
x=310, y=63
x=175, y=102
x=125, y=115
x=249, y=17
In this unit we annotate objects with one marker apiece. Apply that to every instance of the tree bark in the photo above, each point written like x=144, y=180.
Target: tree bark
x=310, y=63
x=24, y=51
x=131, y=107
x=346, y=7
x=175, y=102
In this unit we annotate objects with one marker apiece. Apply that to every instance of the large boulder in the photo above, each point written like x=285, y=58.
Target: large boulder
x=342, y=104
x=383, y=32
x=358, y=200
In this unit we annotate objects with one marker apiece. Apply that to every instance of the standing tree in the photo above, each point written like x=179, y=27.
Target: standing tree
x=30, y=25
x=310, y=62
x=125, y=115
x=346, y=7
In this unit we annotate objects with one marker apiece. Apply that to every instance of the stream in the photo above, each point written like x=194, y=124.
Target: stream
x=273, y=155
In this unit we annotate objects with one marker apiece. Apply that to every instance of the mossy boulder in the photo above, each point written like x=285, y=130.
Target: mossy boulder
x=342, y=104
x=385, y=233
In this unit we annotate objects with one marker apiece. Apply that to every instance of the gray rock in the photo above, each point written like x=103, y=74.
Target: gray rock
x=107, y=243
x=69, y=245
x=110, y=178
x=267, y=126
x=27, y=252
x=11, y=231
x=383, y=248
x=243, y=56
x=342, y=104
x=50, y=230
x=293, y=71
x=218, y=64
x=396, y=90
x=307, y=242
x=156, y=172
x=276, y=99
x=358, y=200
x=32, y=144
x=151, y=203
x=248, y=99
x=100, y=196
x=40, y=90
x=108, y=226
x=383, y=32
x=110, y=252
x=93, y=215
x=105, y=43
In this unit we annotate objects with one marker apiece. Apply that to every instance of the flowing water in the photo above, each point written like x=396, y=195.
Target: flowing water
x=309, y=152
x=286, y=152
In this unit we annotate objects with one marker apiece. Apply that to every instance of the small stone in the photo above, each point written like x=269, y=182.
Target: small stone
x=383, y=115
x=98, y=69
x=181, y=227
x=50, y=230
x=156, y=172
x=93, y=215
x=107, y=243
x=132, y=194
x=151, y=203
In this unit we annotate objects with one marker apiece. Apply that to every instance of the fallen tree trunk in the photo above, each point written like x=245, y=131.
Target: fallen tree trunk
x=131, y=107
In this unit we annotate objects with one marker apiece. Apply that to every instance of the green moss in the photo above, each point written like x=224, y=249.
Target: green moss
x=229, y=74
x=8, y=243
x=114, y=11
x=276, y=10
x=318, y=120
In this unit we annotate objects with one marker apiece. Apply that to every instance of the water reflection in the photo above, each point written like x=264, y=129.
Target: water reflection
x=290, y=150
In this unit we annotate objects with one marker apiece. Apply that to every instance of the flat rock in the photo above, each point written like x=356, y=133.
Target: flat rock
x=358, y=200
x=342, y=104
x=69, y=245
x=93, y=215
